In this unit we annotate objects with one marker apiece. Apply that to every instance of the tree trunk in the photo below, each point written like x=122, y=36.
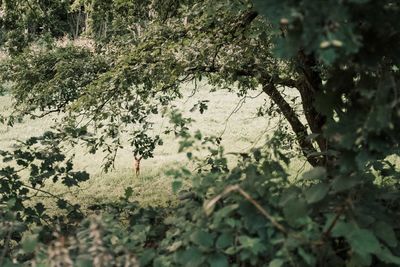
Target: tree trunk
x=309, y=84
x=297, y=126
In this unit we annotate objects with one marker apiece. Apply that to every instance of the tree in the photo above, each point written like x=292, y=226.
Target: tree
x=236, y=37
x=341, y=56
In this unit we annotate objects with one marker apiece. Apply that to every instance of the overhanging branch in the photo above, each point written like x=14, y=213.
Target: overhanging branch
x=298, y=127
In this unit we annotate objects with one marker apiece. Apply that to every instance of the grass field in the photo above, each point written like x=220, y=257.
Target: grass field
x=240, y=131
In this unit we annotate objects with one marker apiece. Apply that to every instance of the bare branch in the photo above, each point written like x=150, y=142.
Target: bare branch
x=210, y=204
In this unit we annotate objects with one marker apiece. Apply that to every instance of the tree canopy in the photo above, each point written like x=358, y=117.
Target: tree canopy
x=341, y=57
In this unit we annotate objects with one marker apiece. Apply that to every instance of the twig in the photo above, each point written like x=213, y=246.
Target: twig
x=210, y=204
x=335, y=220
x=236, y=109
x=300, y=170
x=255, y=141
x=52, y=195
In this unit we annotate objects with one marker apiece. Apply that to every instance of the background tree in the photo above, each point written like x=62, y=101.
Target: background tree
x=341, y=56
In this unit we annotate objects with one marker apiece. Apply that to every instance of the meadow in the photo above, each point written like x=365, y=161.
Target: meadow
x=229, y=116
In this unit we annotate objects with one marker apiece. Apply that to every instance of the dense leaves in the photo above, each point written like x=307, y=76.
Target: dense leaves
x=341, y=57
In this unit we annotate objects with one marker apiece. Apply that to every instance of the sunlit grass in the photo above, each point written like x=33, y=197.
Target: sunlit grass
x=240, y=131
x=150, y=189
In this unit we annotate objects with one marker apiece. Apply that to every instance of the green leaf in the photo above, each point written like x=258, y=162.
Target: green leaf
x=202, y=238
x=176, y=185
x=342, y=229
x=62, y=204
x=307, y=257
x=83, y=261
x=294, y=209
x=363, y=241
x=386, y=256
x=218, y=260
x=191, y=257
x=316, y=193
x=328, y=55
x=175, y=246
x=224, y=212
x=29, y=244
x=317, y=173
x=358, y=260
x=231, y=251
x=40, y=208
x=276, y=263
x=386, y=233
x=342, y=183
x=362, y=159
x=146, y=257
x=224, y=240
x=128, y=192
x=81, y=176
x=254, y=244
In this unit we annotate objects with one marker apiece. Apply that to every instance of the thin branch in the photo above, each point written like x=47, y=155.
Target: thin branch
x=51, y=194
x=300, y=170
x=335, y=220
x=255, y=141
x=235, y=110
x=236, y=188
x=262, y=210
x=44, y=114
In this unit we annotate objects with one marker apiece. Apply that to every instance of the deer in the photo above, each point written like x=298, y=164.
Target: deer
x=136, y=165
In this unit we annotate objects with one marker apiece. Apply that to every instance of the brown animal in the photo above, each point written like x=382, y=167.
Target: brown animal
x=136, y=165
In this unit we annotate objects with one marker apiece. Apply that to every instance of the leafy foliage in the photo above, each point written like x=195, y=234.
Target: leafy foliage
x=342, y=57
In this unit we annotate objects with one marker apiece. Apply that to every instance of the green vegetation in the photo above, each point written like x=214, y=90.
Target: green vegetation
x=153, y=187
x=127, y=77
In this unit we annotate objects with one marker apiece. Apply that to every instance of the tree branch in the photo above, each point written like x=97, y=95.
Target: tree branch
x=298, y=128
x=309, y=84
x=208, y=206
x=268, y=82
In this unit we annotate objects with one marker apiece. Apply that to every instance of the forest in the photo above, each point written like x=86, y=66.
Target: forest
x=199, y=133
